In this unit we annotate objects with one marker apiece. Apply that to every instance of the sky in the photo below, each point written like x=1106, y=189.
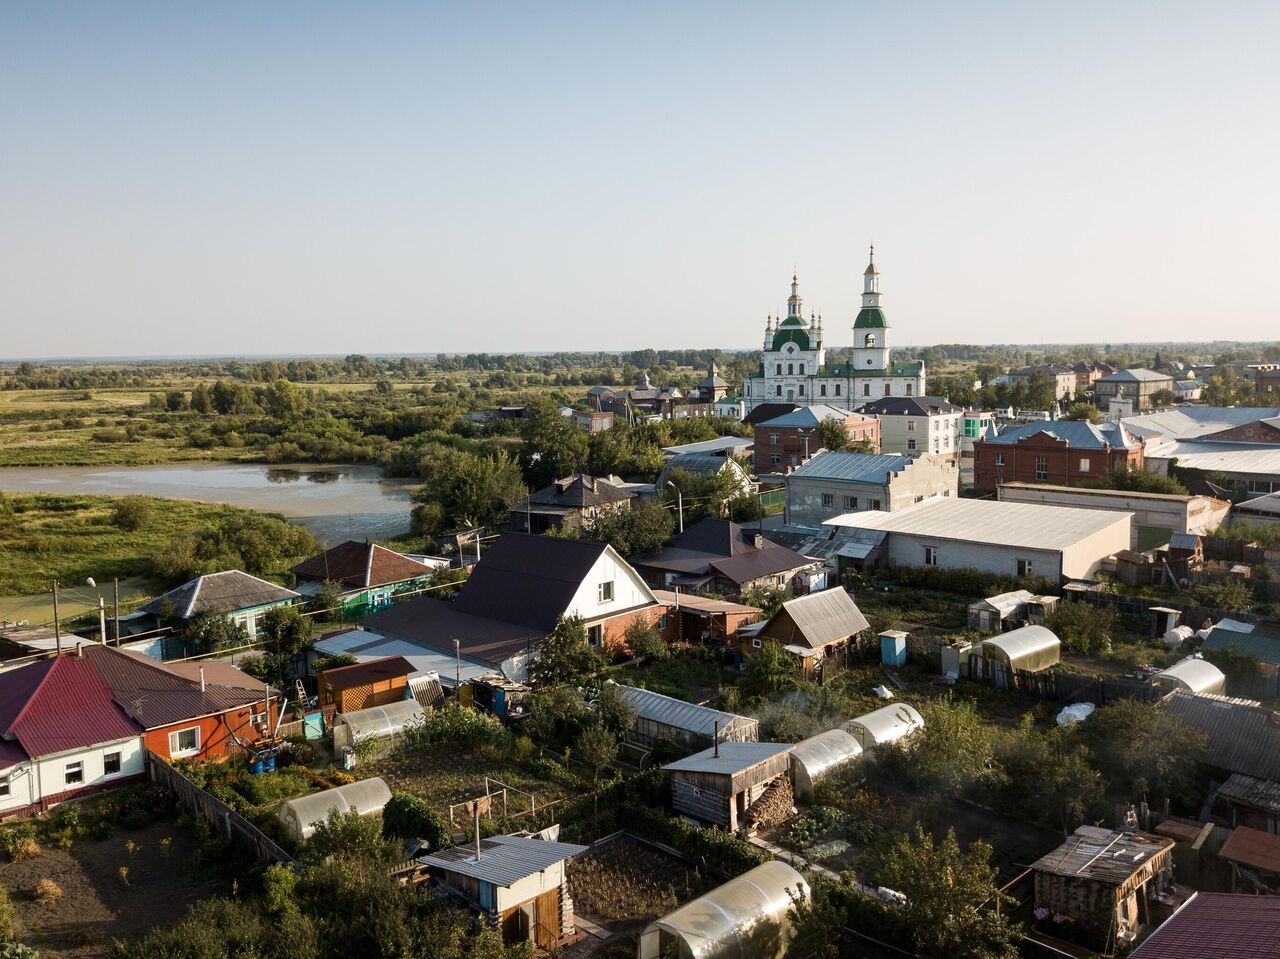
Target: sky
x=250, y=178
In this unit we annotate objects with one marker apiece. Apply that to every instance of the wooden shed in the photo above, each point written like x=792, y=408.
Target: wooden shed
x=1106, y=881
x=373, y=683
x=719, y=785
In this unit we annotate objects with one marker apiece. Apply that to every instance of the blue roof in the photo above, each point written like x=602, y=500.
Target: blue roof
x=807, y=416
x=1262, y=645
x=1187, y=541
x=855, y=467
x=1077, y=433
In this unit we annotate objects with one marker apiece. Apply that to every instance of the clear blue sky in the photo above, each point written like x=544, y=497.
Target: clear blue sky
x=272, y=177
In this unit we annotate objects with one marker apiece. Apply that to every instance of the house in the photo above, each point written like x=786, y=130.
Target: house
x=515, y=883
x=238, y=596
x=819, y=628
x=762, y=412
x=1187, y=391
x=1254, y=857
x=711, y=388
x=368, y=574
x=1108, y=883
x=691, y=618
x=646, y=400
x=834, y=483
x=1267, y=383
x=1086, y=375
x=1156, y=516
x=917, y=424
x=729, y=407
x=661, y=718
x=366, y=645
x=1262, y=509
x=719, y=785
x=888, y=724
x=1065, y=379
x=791, y=439
x=706, y=464
x=716, y=555
x=589, y=421
x=567, y=503
x=1005, y=611
x=1010, y=539
x=1240, y=443
x=516, y=595
x=1066, y=452
x=363, y=685
x=1216, y=924
x=1242, y=736
x=724, y=446
x=1129, y=391
x=974, y=424
x=747, y=916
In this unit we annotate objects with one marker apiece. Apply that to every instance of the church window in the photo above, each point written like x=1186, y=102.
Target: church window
x=779, y=390
x=866, y=389
x=790, y=368
x=802, y=389
x=779, y=369
x=887, y=388
x=822, y=390
x=837, y=389
x=908, y=389
x=802, y=369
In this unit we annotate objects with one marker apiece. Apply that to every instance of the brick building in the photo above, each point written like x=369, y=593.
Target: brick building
x=788, y=441
x=1065, y=452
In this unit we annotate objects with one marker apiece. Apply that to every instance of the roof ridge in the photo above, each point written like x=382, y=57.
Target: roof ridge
x=368, y=566
x=191, y=603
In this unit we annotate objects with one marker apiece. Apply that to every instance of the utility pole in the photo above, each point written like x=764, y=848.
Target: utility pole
x=102, y=620
x=117, y=591
x=57, y=627
x=457, y=670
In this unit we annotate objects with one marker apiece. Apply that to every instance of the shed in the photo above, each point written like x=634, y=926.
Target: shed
x=893, y=648
x=664, y=717
x=300, y=816
x=720, y=784
x=746, y=918
x=884, y=725
x=375, y=722
x=1193, y=674
x=818, y=756
x=1032, y=648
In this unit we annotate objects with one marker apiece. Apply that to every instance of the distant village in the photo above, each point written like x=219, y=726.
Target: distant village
x=588, y=739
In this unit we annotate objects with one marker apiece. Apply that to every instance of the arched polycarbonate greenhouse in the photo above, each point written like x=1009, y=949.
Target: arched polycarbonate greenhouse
x=1032, y=648
x=746, y=918
x=884, y=725
x=819, y=756
x=375, y=722
x=301, y=815
x=1193, y=675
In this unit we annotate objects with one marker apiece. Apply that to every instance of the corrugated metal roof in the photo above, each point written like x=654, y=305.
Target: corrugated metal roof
x=817, y=619
x=733, y=758
x=504, y=860
x=1103, y=855
x=1188, y=422
x=361, y=565
x=1078, y=434
x=872, y=468
x=1211, y=924
x=1251, y=791
x=1135, y=375
x=678, y=714
x=1243, y=737
x=811, y=416
x=1226, y=457
x=223, y=592
x=1184, y=541
x=720, y=445
x=1258, y=643
x=371, y=671
x=1028, y=525
x=59, y=704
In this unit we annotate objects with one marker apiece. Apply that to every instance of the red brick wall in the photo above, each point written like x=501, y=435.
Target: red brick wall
x=1061, y=461
x=791, y=446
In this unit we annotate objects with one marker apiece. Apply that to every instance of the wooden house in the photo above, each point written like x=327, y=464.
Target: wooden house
x=719, y=785
x=515, y=883
x=817, y=628
x=1105, y=881
x=364, y=685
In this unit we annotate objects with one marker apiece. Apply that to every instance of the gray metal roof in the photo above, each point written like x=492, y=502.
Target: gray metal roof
x=811, y=416
x=1243, y=737
x=223, y=592
x=853, y=467
x=1135, y=375
x=1188, y=541
x=1189, y=422
x=678, y=714
x=733, y=759
x=817, y=619
x=504, y=860
x=1220, y=456
x=720, y=445
x=1078, y=434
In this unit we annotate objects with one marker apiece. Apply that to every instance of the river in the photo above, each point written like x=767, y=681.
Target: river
x=337, y=502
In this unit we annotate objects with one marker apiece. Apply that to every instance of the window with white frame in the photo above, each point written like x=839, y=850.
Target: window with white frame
x=999, y=459
x=184, y=742
x=911, y=425
x=875, y=504
x=258, y=719
x=73, y=773
x=111, y=764
x=1084, y=464
x=775, y=459
x=851, y=502
x=595, y=635
x=4, y=786
x=802, y=369
x=756, y=644
x=911, y=444
x=931, y=556
x=773, y=439
x=604, y=592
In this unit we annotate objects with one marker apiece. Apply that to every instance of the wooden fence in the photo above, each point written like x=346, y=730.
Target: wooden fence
x=230, y=824
x=1060, y=687
x=1139, y=608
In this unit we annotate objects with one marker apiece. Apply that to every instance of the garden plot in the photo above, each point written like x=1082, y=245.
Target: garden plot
x=625, y=883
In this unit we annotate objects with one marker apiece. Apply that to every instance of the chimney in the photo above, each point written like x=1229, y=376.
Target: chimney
x=759, y=540
x=202, y=679
x=79, y=650
x=475, y=806
x=715, y=740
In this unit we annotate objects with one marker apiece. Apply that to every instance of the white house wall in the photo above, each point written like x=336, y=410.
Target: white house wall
x=907, y=549
x=530, y=887
x=1082, y=559
x=32, y=781
x=629, y=590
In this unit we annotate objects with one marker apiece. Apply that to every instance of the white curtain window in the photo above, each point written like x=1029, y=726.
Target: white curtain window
x=184, y=742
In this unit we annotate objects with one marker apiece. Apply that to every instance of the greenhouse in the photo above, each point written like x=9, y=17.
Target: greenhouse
x=375, y=722
x=818, y=756
x=746, y=918
x=1032, y=648
x=300, y=816
x=664, y=717
x=884, y=725
x=1193, y=674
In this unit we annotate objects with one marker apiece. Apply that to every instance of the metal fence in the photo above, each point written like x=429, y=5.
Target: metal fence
x=230, y=824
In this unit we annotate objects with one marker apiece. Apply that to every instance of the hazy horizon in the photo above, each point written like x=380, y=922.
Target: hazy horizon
x=296, y=179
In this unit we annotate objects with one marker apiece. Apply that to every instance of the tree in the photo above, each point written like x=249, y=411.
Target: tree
x=614, y=712
x=287, y=635
x=1138, y=481
x=564, y=658
x=771, y=670
x=351, y=837
x=638, y=527
x=208, y=632
x=833, y=435
x=131, y=513
x=553, y=447
x=1047, y=777
x=955, y=748
x=406, y=816
x=1228, y=389
x=1082, y=626
x=201, y=400
x=1165, y=397
x=1083, y=411
x=1232, y=593
x=767, y=599
x=1143, y=750
x=257, y=543
x=327, y=600
x=953, y=899
x=597, y=747
x=643, y=639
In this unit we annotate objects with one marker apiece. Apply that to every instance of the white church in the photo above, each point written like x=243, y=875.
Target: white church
x=794, y=367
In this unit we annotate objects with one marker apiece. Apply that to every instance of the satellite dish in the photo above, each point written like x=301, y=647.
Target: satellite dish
x=91, y=582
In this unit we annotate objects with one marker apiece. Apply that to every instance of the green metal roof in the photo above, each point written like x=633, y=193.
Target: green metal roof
x=870, y=318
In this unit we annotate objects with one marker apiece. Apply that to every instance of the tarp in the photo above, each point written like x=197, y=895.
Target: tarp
x=746, y=918
x=818, y=756
x=375, y=722
x=301, y=815
x=1193, y=674
x=1032, y=648
x=884, y=725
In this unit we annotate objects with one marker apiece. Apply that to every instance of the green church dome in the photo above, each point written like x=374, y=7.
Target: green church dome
x=870, y=318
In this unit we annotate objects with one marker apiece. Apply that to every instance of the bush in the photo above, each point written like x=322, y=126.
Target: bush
x=46, y=892
x=1082, y=626
x=643, y=639
x=131, y=513
x=16, y=950
x=19, y=842
x=407, y=816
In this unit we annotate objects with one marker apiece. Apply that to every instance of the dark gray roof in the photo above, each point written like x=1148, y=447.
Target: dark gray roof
x=1186, y=541
x=504, y=860
x=768, y=411
x=1243, y=736
x=695, y=464
x=577, y=491
x=854, y=467
x=725, y=548
x=223, y=592
x=910, y=406
x=733, y=759
x=816, y=619
x=1077, y=433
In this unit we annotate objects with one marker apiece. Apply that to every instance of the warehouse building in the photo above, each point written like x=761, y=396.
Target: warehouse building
x=1010, y=539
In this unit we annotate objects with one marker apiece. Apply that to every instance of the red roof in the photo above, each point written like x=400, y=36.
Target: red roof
x=361, y=565
x=1252, y=848
x=374, y=671
x=59, y=704
x=1218, y=924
